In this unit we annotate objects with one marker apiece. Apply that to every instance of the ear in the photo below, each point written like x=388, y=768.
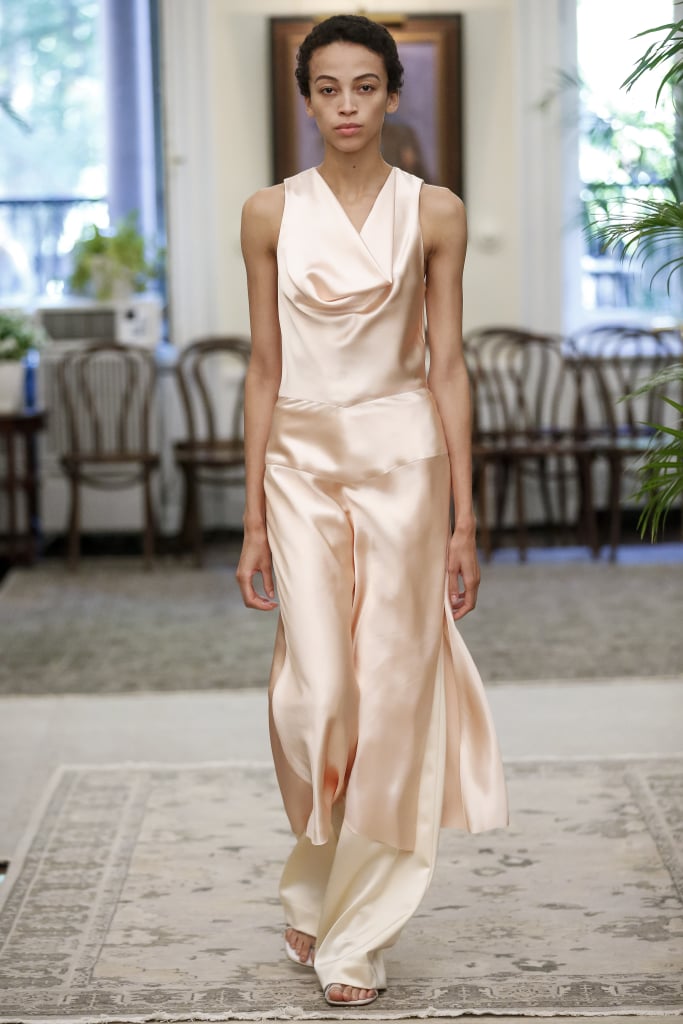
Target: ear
x=392, y=102
x=309, y=108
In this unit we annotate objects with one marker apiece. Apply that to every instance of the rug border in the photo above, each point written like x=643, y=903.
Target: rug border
x=293, y=1012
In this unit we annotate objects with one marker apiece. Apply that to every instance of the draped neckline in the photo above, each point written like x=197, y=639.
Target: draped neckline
x=359, y=231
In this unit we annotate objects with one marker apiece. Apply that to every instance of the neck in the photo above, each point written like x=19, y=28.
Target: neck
x=349, y=174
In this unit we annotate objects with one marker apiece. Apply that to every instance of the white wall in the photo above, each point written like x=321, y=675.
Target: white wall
x=217, y=87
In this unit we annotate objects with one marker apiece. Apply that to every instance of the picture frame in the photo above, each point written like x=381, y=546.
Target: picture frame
x=424, y=136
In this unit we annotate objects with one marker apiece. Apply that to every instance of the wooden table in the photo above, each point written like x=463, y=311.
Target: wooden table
x=19, y=434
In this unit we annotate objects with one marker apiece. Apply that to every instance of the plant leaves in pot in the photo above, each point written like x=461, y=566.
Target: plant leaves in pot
x=19, y=335
x=111, y=265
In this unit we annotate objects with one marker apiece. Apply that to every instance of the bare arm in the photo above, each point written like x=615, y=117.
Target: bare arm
x=444, y=229
x=261, y=218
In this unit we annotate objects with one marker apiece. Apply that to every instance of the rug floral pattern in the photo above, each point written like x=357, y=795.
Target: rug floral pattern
x=150, y=892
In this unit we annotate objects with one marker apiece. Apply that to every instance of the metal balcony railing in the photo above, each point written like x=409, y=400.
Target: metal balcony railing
x=36, y=238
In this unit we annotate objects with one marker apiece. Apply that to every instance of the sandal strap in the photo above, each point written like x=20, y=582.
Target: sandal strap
x=348, y=1002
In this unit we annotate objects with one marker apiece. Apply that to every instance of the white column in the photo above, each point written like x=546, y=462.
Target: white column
x=548, y=153
x=188, y=99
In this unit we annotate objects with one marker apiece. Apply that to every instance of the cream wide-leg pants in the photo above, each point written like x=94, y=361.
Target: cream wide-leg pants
x=379, y=725
x=356, y=894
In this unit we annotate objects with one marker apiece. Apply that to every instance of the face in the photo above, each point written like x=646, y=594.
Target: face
x=349, y=98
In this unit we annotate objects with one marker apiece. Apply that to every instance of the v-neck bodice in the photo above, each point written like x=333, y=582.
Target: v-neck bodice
x=351, y=302
x=361, y=229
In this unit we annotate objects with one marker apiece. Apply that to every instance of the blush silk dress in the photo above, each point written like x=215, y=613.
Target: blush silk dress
x=380, y=728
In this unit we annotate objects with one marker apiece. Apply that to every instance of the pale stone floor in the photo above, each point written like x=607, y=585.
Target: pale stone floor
x=604, y=719
x=612, y=718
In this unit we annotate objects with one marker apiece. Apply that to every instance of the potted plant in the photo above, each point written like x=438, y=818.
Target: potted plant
x=651, y=228
x=20, y=335
x=661, y=470
x=111, y=265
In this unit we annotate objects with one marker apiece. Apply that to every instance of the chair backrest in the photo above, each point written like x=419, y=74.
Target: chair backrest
x=523, y=387
x=613, y=360
x=107, y=390
x=210, y=374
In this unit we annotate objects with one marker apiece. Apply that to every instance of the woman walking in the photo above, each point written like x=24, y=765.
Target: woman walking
x=379, y=725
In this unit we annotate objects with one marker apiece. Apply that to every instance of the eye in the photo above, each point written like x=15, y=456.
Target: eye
x=366, y=87
x=326, y=90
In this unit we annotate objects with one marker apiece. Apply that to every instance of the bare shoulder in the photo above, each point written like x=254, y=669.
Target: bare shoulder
x=442, y=216
x=262, y=214
x=437, y=201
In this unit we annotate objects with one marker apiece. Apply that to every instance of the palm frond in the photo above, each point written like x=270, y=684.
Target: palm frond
x=661, y=52
x=642, y=230
x=661, y=467
x=667, y=375
x=656, y=509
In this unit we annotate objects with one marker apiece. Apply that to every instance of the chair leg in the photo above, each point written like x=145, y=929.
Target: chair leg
x=184, y=527
x=545, y=489
x=522, y=538
x=194, y=517
x=484, y=529
x=587, y=507
x=74, y=531
x=149, y=520
x=501, y=476
x=615, y=506
x=562, y=504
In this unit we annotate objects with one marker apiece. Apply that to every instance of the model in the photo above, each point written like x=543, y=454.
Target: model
x=379, y=725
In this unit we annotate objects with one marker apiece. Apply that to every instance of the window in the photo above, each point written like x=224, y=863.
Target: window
x=626, y=150
x=52, y=160
x=80, y=129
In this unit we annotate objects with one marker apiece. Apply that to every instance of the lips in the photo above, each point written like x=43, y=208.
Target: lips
x=347, y=129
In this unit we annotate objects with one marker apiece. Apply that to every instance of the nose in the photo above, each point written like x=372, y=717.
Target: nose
x=347, y=103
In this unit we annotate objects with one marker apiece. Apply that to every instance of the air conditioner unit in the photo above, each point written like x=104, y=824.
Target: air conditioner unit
x=133, y=321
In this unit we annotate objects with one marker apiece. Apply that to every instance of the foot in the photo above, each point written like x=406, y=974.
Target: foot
x=302, y=944
x=349, y=994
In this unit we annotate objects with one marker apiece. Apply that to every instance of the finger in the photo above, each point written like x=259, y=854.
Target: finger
x=260, y=600
x=465, y=606
x=267, y=580
x=468, y=599
x=250, y=597
x=455, y=590
x=267, y=577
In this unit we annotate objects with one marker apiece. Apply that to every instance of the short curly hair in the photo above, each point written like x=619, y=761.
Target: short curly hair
x=349, y=28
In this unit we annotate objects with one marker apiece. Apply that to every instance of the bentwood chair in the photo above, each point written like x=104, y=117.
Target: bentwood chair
x=107, y=391
x=210, y=375
x=526, y=401
x=618, y=425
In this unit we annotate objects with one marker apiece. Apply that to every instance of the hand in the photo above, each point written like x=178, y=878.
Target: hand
x=463, y=566
x=256, y=558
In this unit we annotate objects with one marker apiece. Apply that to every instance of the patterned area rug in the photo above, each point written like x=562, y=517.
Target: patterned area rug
x=114, y=628
x=149, y=892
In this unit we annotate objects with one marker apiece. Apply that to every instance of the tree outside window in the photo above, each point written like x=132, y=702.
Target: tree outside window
x=53, y=177
x=626, y=148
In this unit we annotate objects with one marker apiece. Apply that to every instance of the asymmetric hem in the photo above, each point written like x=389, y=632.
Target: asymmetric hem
x=357, y=484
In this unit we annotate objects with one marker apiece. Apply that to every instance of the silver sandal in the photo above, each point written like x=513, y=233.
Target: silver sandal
x=294, y=956
x=347, y=1002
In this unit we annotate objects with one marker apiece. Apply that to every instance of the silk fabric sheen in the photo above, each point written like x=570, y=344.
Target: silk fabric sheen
x=355, y=894
x=357, y=485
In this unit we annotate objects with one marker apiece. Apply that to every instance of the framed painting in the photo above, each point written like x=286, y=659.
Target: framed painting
x=424, y=136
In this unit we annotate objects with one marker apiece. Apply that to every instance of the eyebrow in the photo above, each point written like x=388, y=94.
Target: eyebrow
x=331, y=78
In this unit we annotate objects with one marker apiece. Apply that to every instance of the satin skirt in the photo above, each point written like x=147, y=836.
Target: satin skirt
x=356, y=894
x=357, y=514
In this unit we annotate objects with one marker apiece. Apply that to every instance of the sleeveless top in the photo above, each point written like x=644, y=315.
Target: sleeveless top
x=353, y=400
x=351, y=302
x=354, y=404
